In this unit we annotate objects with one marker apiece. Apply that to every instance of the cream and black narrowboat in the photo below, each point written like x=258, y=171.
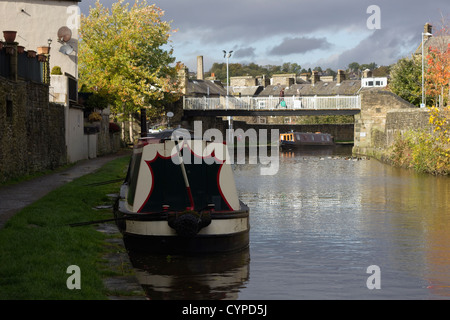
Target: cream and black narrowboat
x=180, y=196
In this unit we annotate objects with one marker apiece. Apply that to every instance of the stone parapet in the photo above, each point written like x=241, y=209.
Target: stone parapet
x=370, y=123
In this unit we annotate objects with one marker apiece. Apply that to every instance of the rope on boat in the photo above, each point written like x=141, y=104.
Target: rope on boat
x=86, y=223
x=103, y=182
x=79, y=224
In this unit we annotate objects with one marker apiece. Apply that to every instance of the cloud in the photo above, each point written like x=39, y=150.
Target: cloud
x=247, y=52
x=331, y=32
x=382, y=46
x=299, y=45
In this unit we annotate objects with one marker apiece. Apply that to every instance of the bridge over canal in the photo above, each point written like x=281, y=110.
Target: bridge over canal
x=371, y=107
x=272, y=106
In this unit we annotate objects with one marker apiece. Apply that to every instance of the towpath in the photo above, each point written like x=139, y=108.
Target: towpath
x=15, y=197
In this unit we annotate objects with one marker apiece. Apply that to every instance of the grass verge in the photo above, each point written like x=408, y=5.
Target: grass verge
x=37, y=245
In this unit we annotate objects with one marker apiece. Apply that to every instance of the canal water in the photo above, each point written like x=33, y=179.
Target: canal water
x=326, y=226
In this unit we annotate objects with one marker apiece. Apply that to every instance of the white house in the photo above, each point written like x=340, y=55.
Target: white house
x=374, y=82
x=37, y=21
x=54, y=24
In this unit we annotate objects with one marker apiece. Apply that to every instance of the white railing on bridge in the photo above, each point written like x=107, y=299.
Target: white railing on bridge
x=273, y=103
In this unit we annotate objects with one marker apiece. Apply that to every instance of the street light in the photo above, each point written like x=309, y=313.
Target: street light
x=230, y=122
x=227, y=55
x=422, y=105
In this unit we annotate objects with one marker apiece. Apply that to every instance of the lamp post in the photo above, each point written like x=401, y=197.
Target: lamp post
x=422, y=105
x=227, y=55
x=230, y=119
x=47, y=65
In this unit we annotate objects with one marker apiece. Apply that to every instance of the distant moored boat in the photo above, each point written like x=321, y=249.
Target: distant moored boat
x=291, y=140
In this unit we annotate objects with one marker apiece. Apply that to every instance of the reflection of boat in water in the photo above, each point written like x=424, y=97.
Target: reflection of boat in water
x=305, y=140
x=180, y=197
x=198, y=277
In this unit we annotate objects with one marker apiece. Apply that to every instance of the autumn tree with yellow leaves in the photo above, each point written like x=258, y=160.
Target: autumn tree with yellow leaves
x=123, y=56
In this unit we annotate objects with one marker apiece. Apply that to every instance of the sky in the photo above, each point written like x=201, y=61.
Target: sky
x=326, y=33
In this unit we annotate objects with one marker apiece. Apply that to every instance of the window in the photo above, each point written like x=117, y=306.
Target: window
x=9, y=108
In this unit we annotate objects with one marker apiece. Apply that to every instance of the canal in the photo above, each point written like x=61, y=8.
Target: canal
x=326, y=226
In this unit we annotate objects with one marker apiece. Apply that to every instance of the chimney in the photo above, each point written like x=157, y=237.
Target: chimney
x=367, y=73
x=315, y=77
x=428, y=28
x=200, y=67
x=340, y=76
x=183, y=77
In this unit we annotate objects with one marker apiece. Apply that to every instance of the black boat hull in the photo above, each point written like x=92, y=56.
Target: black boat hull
x=157, y=232
x=200, y=244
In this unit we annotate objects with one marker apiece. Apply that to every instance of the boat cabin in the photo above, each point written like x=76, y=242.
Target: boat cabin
x=292, y=139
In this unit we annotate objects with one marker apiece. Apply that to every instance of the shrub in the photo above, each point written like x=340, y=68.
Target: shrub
x=95, y=116
x=421, y=151
x=56, y=70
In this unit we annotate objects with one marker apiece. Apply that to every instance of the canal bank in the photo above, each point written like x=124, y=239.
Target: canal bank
x=37, y=244
x=407, y=140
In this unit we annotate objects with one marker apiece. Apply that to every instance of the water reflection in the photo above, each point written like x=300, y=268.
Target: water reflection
x=212, y=277
x=410, y=212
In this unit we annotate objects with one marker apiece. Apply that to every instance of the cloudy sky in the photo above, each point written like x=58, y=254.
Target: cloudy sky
x=326, y=33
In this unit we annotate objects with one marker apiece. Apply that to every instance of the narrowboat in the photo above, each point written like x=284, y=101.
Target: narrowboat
x=179, y=196
x=291, y=140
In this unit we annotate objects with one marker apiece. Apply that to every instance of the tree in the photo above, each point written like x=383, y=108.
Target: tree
x=289, y=67
x=121, y=54
x=437, y=84
x=330, y=72
x=438, y=74
x=438, y=65
x=354, y=67
x=370, y=66
x=406, y=79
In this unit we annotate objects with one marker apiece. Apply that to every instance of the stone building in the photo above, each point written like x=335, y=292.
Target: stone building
x=315, y=87
x=41, y=123
x=52, y=26
x=199, y=87
x=38, y=21
x=31, y=129
x=429, y=40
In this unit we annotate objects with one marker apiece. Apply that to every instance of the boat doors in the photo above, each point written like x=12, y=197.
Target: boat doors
x=287, y=137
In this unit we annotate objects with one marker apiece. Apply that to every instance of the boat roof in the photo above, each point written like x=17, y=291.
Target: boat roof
x=297, y=132
x=179, y=133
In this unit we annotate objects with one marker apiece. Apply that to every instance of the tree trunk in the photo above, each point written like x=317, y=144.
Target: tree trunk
x=122, y=130
x=131, y=128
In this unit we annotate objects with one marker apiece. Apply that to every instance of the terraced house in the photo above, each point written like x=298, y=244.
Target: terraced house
x=41, y=123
